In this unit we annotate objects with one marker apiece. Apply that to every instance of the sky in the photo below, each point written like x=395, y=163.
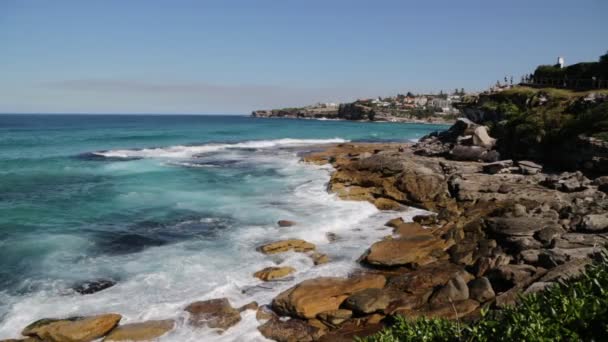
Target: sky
x=232, y=57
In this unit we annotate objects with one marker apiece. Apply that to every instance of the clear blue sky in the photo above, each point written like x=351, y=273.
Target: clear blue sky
x=187, y=56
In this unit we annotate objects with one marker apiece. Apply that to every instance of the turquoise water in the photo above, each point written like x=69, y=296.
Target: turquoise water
x=169, y=207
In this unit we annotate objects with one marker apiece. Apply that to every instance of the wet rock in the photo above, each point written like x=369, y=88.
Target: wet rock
x=264, y=312
x=456, y=289
x=411, y=229
x=76, y=329
x=319, y=258
x=213, y=313
x=249, y=306
x=335, y=317
x=144, y=331
x=481, y=290
x=89, y=287
x=367, y=301
x=313, y=296
x=387, y=204
x=332, y=237
x=271, y=273
x=293, y=330
x=295, y=245
x=286, y=223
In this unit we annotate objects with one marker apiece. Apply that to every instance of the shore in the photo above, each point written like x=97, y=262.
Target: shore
x=499, y=229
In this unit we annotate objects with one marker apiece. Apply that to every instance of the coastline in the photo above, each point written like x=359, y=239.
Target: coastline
x=434, y=121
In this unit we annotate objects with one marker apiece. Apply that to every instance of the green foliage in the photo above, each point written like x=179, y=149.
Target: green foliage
x=571, y=311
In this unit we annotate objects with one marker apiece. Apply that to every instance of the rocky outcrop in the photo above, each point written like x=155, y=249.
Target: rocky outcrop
x=311, y=297
x=76, y=329
x=290, y=331
x=271, y=273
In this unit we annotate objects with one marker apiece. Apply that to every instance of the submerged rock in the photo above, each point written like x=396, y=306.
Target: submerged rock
x=144, y=331
x=89, y=287
x=213, y=313
x=75, y=329
x=286, y=223
x=295, y=245
x=270, y=273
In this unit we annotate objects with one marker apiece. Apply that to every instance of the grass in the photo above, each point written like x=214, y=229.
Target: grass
x=576, y=310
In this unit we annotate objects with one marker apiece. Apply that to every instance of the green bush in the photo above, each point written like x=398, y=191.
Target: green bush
x=573, y=311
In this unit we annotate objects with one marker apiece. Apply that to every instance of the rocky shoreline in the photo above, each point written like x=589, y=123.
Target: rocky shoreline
x=500, y=228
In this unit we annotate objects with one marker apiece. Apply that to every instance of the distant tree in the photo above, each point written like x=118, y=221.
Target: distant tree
x=462, y=91
x=604, y=58
x=409, y=94
x=511, y=80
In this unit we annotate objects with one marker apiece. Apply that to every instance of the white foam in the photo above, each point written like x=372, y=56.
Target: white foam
x=181, y=151
x=159, y=282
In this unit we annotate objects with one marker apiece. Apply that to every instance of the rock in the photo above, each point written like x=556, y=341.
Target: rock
x=481, y=290
x=567, y=182
x=313, y=296
x=498, y=167
x=76, y=329
x=271, y=273
x=508, y=276
x=286, y=223
x=264, y=312
x=367, y=301
x=411, y=229
x=332, y=237
x=213, y=313
x=547, y=234
x=602, y=183
x=387, y=204
x=421, y=186
x=89, y=287
x=295, y=245
x=595, y=223
x=519, y=210
x=144, y=331
x=482, y=138
x=27, y=339
x=249, y=306
x=468, y=153
x=514, y=226
x=396, y=252
x=454, y=310
x=426, y=277
x=425, y=220
x=335, y=317
x=319, y=258
x=456, y=289
x=293, y=330
x=529, y=168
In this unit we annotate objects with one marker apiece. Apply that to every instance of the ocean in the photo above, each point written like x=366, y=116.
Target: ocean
x=171, y=208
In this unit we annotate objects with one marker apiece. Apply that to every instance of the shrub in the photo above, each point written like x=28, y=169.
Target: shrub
x=572, y=311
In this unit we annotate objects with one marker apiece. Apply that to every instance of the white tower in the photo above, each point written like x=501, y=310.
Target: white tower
x=560, y=62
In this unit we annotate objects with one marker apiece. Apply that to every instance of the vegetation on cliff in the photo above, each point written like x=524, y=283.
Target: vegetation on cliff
x=579, y=71
x=572, y=311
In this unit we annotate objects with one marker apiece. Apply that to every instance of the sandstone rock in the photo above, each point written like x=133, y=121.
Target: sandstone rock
x=398, y=252
x=453, y=310
x=335, y=317
x=295, y=245
x=285, y=223
x=319, y=258
x=77, y=329
x=547, y=234
x=507, y=276
x=515, y=226
x=481, y=290
x=387, y=204
x=367, y=301
x=468, y=153
x=411, y=229
x=264, y=312
x=271, y=273
x=595, y=223
x=213, y=313
x=498, y=167
x=249, y=306
x=529, y=168
x=293, y=330
x=313, y=296
x=456, y=289
x=482, y=138
x=27, y=339
x=144, y=331
x=89, y=287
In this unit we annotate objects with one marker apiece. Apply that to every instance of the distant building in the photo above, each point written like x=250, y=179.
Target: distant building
x=560, y=62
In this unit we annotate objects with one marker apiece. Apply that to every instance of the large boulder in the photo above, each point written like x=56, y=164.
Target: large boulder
x=335, y=317
x=313, y=296
x=482, y=138
x=456, y=289
x=293, y=330
x=481, y=290
x=76, y=329
x=144, y=331
x=213, y=313
x=595, y=223
x=396, y=252
x=295, y=245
